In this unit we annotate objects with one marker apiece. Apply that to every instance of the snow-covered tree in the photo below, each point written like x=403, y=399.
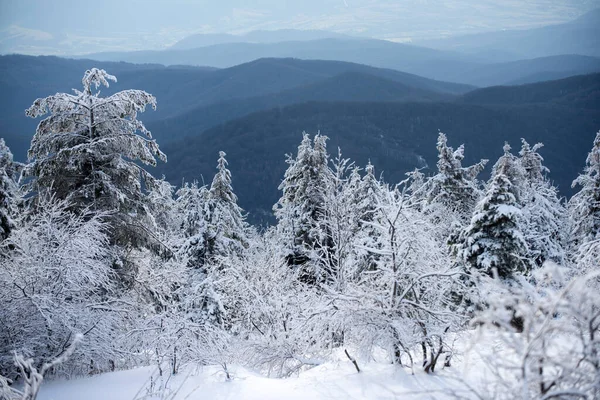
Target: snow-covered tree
x=227, y=230
x=494, y=240
x=8, y=189
x=402, y=304
x=300, y=210
x=451, y=195
x=261, y=298
x=555, y=353
x=57, y=281
x=193, y=222
x=369, y=196
x=212, y=228
x=584, y=212
x=514, y=171
x=543, y=212
x=90, y=149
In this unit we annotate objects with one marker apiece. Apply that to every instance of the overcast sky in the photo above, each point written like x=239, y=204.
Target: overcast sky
x=79, y=26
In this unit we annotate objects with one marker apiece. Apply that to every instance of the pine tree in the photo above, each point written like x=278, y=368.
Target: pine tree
x=584, y=212
x=89, y=152
x=493, y=241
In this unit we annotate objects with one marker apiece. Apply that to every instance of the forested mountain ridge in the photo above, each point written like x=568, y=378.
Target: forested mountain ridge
x=179, y=89
x=395, y=137
x=577, y=91
x=391, y=131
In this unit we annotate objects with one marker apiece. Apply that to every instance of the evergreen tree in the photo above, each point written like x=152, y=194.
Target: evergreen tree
x=89, y=152
x=300, y=210
x=193, y=221
x=227, y=230
x=584, y=212
x=369, y=197
x=494, y=240
x=8, y=189
x=451, y=195
x=513, y=170
x=543, y=211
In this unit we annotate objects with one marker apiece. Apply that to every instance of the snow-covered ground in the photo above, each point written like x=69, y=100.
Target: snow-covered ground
x=333, y=380
x=329, y=381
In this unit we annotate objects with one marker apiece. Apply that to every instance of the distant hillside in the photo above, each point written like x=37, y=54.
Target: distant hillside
x=179, y=90
x=377, y=53
x=272, y=36
x=578, y=91
x=434, y=64
x=348, y=86
x=396, y=137
x=581, y=36
x=528, y=71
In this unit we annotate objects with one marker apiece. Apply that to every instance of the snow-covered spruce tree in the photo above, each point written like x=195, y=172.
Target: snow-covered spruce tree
x=544, y=214
x=584, y=213
x=214, y=229
x=493, y=242
x=368, y=196
x=192, y=213
x=300, y=210
x=451, y=195
x=513, y=170
x=89, y=152
x=8, y=189
x=227, y=229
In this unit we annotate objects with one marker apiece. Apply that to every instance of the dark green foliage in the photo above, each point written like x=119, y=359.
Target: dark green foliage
x=493, y=243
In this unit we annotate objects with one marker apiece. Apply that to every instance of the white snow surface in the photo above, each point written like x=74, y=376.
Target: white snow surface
x=333, y=380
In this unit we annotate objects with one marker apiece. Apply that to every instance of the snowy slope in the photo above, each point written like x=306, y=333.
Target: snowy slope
x=328, y=381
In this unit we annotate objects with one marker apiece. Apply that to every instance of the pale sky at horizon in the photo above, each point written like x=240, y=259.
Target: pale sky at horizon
x=72, y=27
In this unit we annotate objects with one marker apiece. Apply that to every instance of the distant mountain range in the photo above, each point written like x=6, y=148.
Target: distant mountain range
x=581, y=36
x=266, y=83
x=395, y=136
x=257, y=111
x=281, y=35
x=506, y=57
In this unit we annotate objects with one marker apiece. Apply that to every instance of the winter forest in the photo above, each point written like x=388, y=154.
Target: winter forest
x=105, y=267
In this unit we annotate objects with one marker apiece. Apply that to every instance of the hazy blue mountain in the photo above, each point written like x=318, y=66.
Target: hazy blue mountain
x=182, y=89
x=395, y=137
x=262, y=36
x=577, y=91
x=378, y=53
x=528, y=71
x=581, y=36
x=347, y=86
x=435, y=64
